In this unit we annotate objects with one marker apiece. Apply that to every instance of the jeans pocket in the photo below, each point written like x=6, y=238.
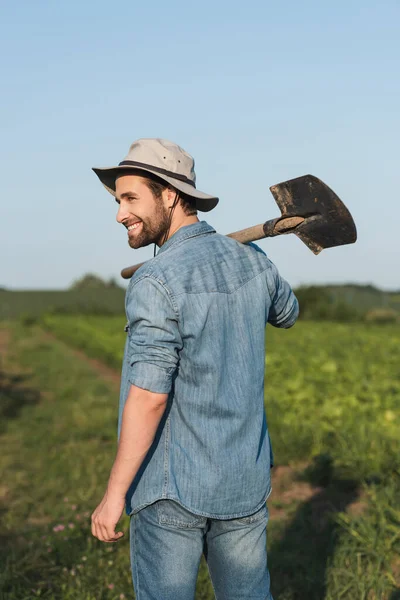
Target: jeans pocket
x=262, y=513
x=171, y=513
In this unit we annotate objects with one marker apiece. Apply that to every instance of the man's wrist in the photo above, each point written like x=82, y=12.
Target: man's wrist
x=115, y=493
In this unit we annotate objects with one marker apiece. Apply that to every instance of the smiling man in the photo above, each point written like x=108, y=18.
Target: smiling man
x=194, y=456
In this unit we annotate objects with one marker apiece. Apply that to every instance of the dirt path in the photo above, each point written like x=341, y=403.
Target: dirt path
x=107, y=373
x=291, y=490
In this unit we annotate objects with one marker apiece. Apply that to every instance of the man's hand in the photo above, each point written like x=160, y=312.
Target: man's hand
x=106, y=517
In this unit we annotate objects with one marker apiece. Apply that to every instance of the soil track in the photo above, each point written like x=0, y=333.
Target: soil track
x=107, y=373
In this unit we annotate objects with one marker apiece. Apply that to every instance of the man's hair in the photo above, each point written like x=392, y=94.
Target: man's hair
x=157, y=187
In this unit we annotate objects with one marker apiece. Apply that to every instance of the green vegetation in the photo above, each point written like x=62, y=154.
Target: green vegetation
x=32, y=304
x=92, y=295
x=56, y=451
x=332, y=398
x=366, y=297
x=98, y=337
x=91, y=281
x=344, y=378
x=88, y=295
x=347, y=303
x=317, y=304
x=335, y=388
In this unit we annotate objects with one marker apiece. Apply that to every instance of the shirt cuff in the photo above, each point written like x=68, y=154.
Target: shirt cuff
x=151, y=377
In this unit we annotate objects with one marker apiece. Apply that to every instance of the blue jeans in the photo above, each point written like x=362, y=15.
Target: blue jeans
x=167, y=542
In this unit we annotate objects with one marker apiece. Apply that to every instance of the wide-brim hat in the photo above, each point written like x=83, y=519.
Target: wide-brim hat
x=165, y=160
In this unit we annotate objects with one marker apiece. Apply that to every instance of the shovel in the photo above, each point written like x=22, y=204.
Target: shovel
x=309, y=209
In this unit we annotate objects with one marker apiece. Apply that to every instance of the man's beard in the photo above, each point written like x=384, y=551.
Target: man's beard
x=152, y=232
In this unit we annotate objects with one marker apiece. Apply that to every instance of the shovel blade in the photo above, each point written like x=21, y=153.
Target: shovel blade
x=327, y=222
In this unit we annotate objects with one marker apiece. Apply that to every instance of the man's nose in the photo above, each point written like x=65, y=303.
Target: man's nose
x=122, y=213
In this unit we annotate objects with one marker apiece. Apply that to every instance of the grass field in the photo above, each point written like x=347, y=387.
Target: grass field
x=332, y=399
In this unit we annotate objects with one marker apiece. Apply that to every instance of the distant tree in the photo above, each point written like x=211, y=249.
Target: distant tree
x=94, y=282
x=320, y=303
x=314, y=302
x=112, y=283
x=89, y=281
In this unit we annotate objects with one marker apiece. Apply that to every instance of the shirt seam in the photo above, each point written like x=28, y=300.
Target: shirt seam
x=166, y=456
x=227, y=292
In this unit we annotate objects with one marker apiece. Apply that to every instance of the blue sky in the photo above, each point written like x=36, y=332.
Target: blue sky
x=257, y=92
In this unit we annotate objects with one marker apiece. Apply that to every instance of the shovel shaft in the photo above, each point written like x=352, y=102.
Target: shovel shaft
x=268, y=229
x=129, y=271
x=251, y=234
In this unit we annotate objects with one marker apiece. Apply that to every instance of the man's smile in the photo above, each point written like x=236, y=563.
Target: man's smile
x=133, y=226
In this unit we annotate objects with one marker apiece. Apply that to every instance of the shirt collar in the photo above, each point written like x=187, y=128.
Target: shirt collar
x=186, y=232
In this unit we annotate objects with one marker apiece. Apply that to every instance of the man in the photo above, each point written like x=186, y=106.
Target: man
x=194, y=455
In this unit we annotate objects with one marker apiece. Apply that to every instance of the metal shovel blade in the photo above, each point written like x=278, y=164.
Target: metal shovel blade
x=327, y=222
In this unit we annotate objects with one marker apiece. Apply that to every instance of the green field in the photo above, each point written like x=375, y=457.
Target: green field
x=332, y=400
x=330, y=388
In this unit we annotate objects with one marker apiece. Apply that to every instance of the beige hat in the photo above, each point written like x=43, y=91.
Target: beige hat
x=166, y=160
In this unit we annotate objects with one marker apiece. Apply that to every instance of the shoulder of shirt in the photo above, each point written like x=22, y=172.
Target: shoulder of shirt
x=152, y=270
x=157, y=268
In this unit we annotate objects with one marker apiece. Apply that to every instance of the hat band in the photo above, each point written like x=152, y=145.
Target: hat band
x=134, y=163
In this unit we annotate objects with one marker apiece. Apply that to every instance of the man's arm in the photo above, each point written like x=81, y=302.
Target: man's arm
x=154, y=345
x=140, y=420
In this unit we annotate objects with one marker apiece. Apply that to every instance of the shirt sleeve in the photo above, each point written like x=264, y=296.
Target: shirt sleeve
x=284, y=308
x=154, y=337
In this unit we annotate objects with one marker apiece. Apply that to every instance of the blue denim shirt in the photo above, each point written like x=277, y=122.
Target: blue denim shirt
x=197, y=314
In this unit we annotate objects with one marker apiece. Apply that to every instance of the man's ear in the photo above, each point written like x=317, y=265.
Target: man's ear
x=171, y=195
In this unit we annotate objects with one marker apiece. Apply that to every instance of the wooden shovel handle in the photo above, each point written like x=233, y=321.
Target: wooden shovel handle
x=129, y=271
x=251, y=234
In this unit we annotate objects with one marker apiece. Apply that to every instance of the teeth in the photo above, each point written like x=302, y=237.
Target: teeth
x=134, y=226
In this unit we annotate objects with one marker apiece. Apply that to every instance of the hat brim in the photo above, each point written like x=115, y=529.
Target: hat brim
x=204, y=202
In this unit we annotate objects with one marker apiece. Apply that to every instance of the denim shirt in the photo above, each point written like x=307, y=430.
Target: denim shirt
x=197, y=314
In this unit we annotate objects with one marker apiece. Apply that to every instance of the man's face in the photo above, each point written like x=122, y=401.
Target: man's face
x=144, y=216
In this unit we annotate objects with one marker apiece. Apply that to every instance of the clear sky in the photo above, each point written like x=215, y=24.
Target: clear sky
x=258, y=92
